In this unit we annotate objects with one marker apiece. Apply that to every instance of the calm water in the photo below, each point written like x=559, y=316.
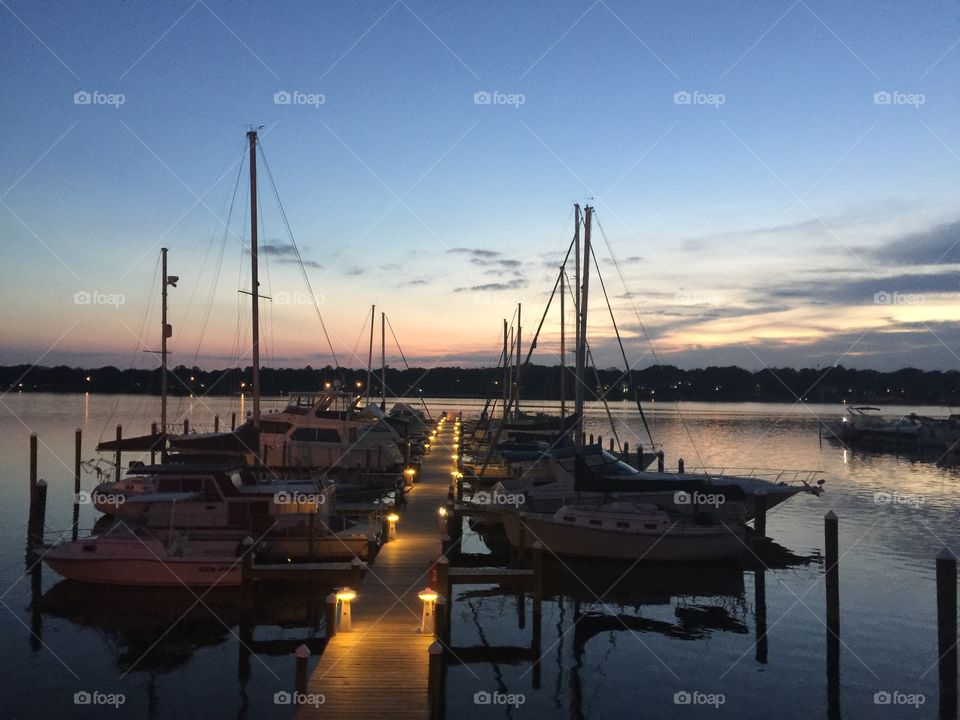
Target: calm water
x=613, y=645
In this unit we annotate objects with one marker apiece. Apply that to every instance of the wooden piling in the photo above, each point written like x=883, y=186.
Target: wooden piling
x=77, y=443
x=611, y=444
x=330, y=617
x=186, y=426
x=233, y=421
x=626, y=452
x=660, y=463
x=680, y=466
x=153, y=454
x=302, y=660
x=38, y=513
x=760, y=613
x=947, y=631
x=591, y=438
x=216, y=428
x=760, y=513
x=117, y=455
x=832, y=559
x=32, y=478
x=436, y=681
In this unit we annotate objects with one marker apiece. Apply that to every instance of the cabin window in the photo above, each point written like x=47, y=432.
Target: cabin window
x=169, y=485
x=596, y=522
x=622, y=524
x=649, y=526
x=191, y=484
x=328, y=435
x=569, y=518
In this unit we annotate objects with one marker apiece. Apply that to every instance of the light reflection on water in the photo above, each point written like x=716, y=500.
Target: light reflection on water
x=655, y=634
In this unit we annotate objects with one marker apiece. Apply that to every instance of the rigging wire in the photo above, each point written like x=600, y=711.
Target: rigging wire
x=303, y=269
x=647, y=335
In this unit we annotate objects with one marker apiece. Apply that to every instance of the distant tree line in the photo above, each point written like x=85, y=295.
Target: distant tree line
x=540, y=382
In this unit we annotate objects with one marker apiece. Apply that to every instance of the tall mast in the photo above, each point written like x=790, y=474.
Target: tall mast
x=254, y=281
x=516, y=379
x=165, y=332
x=370, y=353
x=563, y=350
x=506, y=372
x=585, y=294
x=383, y=361
x=577, y=388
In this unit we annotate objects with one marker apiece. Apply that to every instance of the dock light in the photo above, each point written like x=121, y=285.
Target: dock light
x=392, y=526
x=429, y=598
x=411, y=473
x=442, y=514
x=442, y=511
x=345, y=595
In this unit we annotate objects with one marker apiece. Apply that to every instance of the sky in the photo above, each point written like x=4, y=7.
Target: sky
x=774, y=183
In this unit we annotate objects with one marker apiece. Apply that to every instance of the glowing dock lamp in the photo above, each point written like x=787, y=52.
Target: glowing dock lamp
x=392, y=526
x=345, y=596
x=410, y=473
x=429, y=598
x=442, y=513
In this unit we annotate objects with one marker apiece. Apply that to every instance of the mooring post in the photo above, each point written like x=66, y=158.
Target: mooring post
x=116, y=457
x=680, y=466
x=436, y=682
x=77, y=442
x=233, y=421
x=591, y=438
x=443, y=581
x=32, y=497
x=38, y=513
x=330, y=618
x=626, y=451
x=186, y=426
x=947, y=631
x=832, y=559
x=611, y=444
x=216, y=428
x=760, y=513
x=760, y=612
x=153, y=434
x=446, y=544
x=439, y=615
x=302, y=661
x=660, y=464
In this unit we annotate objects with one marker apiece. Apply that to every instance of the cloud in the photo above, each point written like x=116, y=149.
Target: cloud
x=475, y=252
x=936, y=245
x=495, y=287
x=354, y=271
x=862, y=290
x=278, y=250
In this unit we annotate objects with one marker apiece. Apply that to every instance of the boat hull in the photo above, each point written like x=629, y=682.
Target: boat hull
x=696, y=545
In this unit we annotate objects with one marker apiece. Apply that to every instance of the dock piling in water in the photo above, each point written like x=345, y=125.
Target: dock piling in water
x=77, y=443
x=38, y=513
x=117, y=456
x=947, y=631
x=302, y=656
x=680, y=466
x=832, y=559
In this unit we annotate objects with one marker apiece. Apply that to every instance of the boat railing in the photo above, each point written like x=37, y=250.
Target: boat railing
x=806, y=477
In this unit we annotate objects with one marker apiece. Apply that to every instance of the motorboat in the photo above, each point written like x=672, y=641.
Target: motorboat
x=635, y=532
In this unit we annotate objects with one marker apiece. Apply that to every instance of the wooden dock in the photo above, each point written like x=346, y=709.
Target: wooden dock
x=381, y=666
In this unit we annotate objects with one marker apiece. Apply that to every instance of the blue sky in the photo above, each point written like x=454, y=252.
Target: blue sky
x=786, y=215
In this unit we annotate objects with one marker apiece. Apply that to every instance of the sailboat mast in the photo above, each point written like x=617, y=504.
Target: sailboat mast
x=506, y=371
x=370, y=353
x=516, y=379
x=254, y=280
x=563, y=350
x=577, y=387
x=383, y=361
x=585, y=294
x=165, y=332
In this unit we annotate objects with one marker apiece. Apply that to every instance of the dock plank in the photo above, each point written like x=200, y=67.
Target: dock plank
x=382, y=664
